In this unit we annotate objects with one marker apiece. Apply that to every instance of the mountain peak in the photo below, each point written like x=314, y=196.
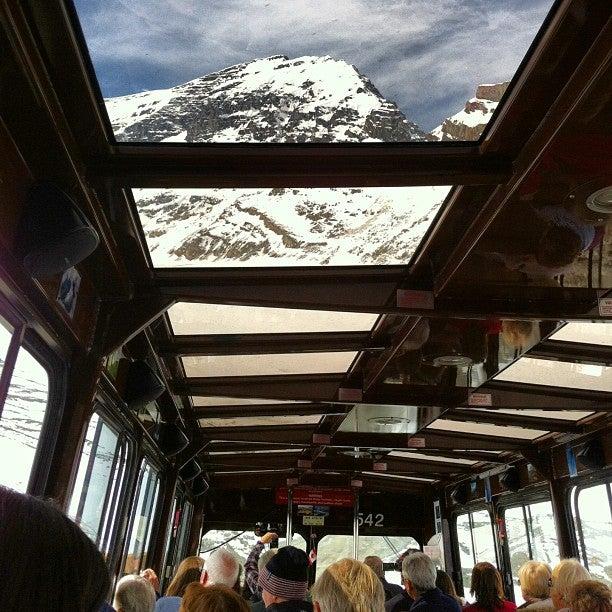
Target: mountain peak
x=272, y=99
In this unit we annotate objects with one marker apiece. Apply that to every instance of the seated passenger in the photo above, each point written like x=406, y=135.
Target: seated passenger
x=377, y=566
x=256, y=561
x=348, y=586
x=445, y=583
x=590, y=596
x=185, y=575
x=535, y=579
x=199, y=598
x=564, y=576
x=134, y=594
x=284, y=581
x=46, y=561
x=222, y=568
x=419, y=573
x=403, y=601
x=488, y=590
x=151, y=576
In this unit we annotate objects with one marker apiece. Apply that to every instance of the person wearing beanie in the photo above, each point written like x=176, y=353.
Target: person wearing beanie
x=284, y=581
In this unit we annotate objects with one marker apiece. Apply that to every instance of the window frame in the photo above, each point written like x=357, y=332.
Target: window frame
x=23, y=336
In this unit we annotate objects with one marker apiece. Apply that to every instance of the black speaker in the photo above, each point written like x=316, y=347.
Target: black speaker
x=592, y=455
x=461, y=493
x=199, y=486
x=142, y=384
x=511, y=479
x=53, y=234
x=170, y=438
x=190, y=470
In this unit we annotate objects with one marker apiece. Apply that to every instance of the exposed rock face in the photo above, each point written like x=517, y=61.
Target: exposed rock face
x=469, y=123
x=308, y=99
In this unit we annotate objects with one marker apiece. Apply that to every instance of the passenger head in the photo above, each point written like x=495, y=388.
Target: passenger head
x=46, y=561
x=348, y=586
x=590, y=596
x=535, y=579
x=265, y=557
x=216, y=598
x=182, y=579
x=419, y=574
x=445, y=583
x=564, y=576
x=376, y=565
x=285, y=576
x=222, y=568
x=487, y=585
x=134, y=594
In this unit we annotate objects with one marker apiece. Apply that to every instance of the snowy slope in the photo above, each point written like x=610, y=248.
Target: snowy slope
x=255, y=227
x=469, y=123
x=274, y=99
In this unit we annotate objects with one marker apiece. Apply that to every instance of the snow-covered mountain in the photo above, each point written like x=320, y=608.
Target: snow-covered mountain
x=469, y=123
x=284, y=227
x=274, y=99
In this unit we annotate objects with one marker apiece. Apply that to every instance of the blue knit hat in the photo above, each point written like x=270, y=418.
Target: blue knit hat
x=286, y=574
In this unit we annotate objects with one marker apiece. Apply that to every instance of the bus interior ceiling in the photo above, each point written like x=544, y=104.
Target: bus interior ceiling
x=469, y=371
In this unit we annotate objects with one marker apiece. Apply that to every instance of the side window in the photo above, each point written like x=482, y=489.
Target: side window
x=593, y=519
x=24, y=394
x=530, y=531
x=99, y=483
x=183, y=532
x=476, y=543
x=143, y=514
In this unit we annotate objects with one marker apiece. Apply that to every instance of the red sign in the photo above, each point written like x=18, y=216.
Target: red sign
x=316, y=496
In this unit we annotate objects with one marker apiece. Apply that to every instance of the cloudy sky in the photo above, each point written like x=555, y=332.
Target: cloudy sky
x=425, y=55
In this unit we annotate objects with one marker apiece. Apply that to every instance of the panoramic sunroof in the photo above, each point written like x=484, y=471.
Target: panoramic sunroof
x=286, y=227
x=194, y=318
x=305, y=71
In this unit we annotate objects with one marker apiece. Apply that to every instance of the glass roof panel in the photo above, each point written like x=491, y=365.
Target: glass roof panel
x=260, y=365
x=531, y=371
x=286, y=227
x=589, y=333
x=193, y=318
x=295, y=71
x=567, y=415
x=256, y=452
x=260, y=421
x=485, y=429
x=410, y=455
x=236, y=401
x=399, y=476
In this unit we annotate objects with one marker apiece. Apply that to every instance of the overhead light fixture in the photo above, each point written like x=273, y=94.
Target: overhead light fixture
x=357, y=454
x=458, y=361
x=388, y=420
x=600, y=201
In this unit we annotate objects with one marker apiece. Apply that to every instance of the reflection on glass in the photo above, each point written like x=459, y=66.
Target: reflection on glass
x=286, y=227
x=260, y=421
x=588, y=333
x=194, y=318
x=143, y=514
x=22, y=417
x=595, y=526
x=254, y=365
x=381, y=419
x=589, y=377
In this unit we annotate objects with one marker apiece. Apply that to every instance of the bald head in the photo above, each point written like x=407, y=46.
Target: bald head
x=375, y=564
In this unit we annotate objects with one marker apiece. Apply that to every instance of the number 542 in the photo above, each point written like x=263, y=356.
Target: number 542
x=371, y=520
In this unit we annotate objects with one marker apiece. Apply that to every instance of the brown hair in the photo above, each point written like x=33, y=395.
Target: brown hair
x=216, y=598
x=590, y=596
x=188, y=571
x=445, y=583
x=487, y=586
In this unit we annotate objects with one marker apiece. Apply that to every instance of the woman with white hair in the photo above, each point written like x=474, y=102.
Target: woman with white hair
x=565, y=575
x=535, y=580
x=134, y=594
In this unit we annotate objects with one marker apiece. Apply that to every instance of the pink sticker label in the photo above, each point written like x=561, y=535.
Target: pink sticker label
x=304, y=463
x=410, y=298
x=379, y=467
x=357, y=483
x=321, y=438
x=347, y=394
x=416, y=443
x=605, y=307
x=292, y=482
x=480, y=399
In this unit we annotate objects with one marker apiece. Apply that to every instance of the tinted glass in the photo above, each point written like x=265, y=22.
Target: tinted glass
x=22, y=416
x=286, y=227
x=300, y=71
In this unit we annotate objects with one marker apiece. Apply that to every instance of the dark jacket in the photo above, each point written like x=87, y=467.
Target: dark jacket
x=435, y=601
x=291, y=606
x=391, y=590
x=399, y=603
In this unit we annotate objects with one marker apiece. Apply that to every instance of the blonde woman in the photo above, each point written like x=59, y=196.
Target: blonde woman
x=348, y=586
x=565, y=575
x=590, y=596
x=535, y=579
